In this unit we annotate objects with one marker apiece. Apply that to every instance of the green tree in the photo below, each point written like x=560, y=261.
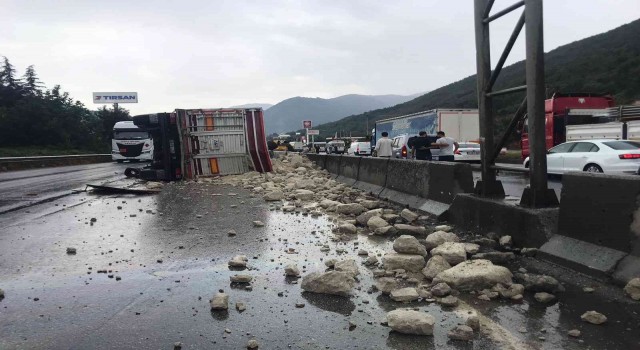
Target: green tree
x=31, y=83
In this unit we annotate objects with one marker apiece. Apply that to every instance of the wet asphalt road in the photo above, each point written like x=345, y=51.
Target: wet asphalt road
x=19, y=189
x=158, y=303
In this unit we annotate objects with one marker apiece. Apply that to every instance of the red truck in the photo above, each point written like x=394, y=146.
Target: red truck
x=563, y=110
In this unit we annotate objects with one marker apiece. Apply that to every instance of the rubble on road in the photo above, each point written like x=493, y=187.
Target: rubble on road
x=594, y=317
x=439, y=237
x=474, y=275
x=292, y=270
x=544, y=297
x=435, y=265
x=410, y=322
x=461, y=332
x=220, y=301
x=410, y=230
x=408, y=215
x=632, y=289
x=404, y=294
x=498, y=258
x=539, y=283
x=348, y=266
x=71, y=250
x=453, y=253
x=409, y=262
x=407, y=244
x=241, y=278
x=332, y=282
x=238, y=261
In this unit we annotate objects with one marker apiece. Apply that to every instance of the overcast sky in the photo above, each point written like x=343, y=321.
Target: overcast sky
x=207, y=53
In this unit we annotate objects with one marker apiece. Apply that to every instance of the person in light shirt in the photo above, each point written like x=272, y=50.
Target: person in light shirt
x=447, y=145
x=383, y=146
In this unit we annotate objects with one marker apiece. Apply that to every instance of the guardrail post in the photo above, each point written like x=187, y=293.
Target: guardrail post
x=488, y=186
x=538, y=195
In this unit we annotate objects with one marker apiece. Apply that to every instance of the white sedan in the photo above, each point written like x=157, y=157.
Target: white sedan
x=467, y=151
x=596, y=156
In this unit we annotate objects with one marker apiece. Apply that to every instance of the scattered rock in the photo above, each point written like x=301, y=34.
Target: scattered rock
x=240, y=306
x=304, y=195
x=633, y=288
x=241, y=278
x=1, y=294
x=496, y=257
x=453, y=253
x=411, y=322
x=506, y=242
x=441, y=290
x=473, y=321
x=238, y=261
x=330, y=262
x=410, y=230
x=409, y=215
x=231, y=233
x=292, y=270
x=406, y=244
x=386, y=284
x=574, y=333
x=220, y=301
x=510, y=292
x=544, y=297
x=594, y=317
x=529, y=251
x=274, y=196
x=376, y=222
x=445, y=228
x=471, y=248
x=461, y=332
x=363, y=252
x=539, y=283
x=252, y=344
x=370, y=204
x=363, y=218
x=383, y=231
x=435, y=265
x=588, y=290
x=437, y=238
x=350, y=209
x=328, y=204
x=409, y=262
x=474, y=275
x=449, y=301
x=349, y=266
x=348, y=229
x=332, y=282
x=485, y=242
x=404, y=294
x=258, y=223
x=71, y=250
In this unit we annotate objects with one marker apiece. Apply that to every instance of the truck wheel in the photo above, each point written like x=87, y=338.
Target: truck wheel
x=593, y=168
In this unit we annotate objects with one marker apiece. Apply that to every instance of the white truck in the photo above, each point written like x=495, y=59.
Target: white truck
x=130, y=142
x=463, y=125
x=619, y=123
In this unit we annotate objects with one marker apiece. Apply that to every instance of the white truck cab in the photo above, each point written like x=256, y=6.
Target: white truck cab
x=130, y=142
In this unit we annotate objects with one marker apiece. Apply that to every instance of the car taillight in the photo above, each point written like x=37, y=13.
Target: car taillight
x=629, y=156
x=404, y=151
x=458, y=152
x=146, y=145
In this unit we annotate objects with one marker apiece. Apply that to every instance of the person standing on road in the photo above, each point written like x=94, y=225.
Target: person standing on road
x=421, y=147
x=383, y=146
x=447, y=145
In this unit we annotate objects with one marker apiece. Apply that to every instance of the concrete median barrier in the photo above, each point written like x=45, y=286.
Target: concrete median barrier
x=349, y=168
x=528, y=227
x=332, y=163
x=599, y=226
x=317, y=159
x=447, y=179
x=372, y=174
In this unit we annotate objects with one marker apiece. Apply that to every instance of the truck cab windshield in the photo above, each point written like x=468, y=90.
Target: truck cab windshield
x=130, y=135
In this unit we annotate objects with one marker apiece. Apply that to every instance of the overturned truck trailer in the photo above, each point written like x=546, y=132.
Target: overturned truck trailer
x=222, y=141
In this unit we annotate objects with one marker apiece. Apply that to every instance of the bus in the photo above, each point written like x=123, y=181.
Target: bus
x=130, y=142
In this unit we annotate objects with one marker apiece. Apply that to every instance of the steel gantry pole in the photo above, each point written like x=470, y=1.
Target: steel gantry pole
x=488, y=186
x=538, y=194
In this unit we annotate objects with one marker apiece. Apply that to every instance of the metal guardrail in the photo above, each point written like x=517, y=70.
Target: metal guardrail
x=72, y=156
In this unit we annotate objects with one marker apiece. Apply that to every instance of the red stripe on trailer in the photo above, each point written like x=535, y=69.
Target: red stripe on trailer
x=256, y=141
